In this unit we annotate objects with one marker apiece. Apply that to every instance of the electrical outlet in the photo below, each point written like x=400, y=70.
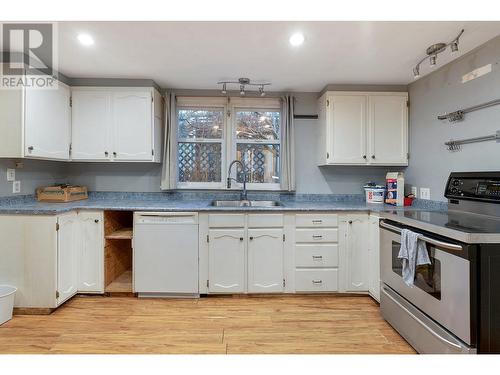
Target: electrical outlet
x=414, y=191
x=425, y=193
x=16, y=187
x=11, y=174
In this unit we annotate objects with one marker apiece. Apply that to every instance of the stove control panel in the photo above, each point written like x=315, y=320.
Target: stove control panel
x=480, y=186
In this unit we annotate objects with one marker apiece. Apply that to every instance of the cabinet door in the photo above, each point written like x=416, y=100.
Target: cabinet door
x=47, y=123
x=91, y=125
x=226, y=261
x=67, y=254
x=347, y=129
x=374, y=258
x=354, y=247
x=90, y=252
x=132, y=126
x=265, y=260
x=388, y=134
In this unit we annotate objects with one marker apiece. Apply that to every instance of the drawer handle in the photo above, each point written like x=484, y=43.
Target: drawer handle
x=317, y=221
x=317, y=236
x=317, y=257
x=317, y=281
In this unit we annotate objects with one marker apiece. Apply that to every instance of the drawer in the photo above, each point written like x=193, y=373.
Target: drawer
x=316, y=255
x=316, y=280
x=316, y=235
x=226, y=220
x=316, y=220
x=265, y=220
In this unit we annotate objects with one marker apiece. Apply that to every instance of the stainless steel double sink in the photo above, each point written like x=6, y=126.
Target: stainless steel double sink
x=244, y=203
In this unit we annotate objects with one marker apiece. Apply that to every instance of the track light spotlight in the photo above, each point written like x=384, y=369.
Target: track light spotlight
x=224, y=91
x=261, y=91
x=416, y=72
x=242, y=90
x=432, y=60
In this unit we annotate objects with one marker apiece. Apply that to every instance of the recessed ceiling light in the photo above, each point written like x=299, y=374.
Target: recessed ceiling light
x=85, y=39
x=297, y=39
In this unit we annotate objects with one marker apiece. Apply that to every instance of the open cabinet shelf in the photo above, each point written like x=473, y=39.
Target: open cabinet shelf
x=118, y=234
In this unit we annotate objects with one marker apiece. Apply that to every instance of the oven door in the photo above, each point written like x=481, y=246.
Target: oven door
x=441, y=290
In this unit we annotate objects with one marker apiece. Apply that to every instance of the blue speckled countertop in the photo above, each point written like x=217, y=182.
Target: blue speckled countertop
x=200, y=201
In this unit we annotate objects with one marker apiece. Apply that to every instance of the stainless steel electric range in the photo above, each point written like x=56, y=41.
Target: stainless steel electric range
x=454, y=304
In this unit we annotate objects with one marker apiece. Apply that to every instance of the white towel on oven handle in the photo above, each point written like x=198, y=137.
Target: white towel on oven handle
x=412, y=253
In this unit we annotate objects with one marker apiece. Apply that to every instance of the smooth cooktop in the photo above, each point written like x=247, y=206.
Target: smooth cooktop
x=459, y=221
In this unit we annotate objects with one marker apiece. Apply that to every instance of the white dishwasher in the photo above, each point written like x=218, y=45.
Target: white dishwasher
x=165, y=261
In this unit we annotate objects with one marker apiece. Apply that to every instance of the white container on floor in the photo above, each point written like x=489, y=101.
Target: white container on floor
x=7, y=294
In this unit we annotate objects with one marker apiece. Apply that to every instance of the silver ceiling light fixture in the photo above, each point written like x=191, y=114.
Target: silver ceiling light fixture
x=243, y=83
x=433, y=50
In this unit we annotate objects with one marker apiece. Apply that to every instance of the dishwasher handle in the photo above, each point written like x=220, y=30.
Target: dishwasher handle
x=164, y=218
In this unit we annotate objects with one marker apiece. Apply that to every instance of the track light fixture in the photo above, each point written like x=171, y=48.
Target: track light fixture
x=243, y=83
x=433, y=50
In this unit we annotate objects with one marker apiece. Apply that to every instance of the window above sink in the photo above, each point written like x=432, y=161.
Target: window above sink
x=211, y=132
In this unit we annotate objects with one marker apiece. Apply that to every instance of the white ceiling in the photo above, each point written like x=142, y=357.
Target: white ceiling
x=195, y=55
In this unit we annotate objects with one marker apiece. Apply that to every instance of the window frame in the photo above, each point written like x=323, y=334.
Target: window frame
x=202, y=105
x=229, y=141
x=235, y=141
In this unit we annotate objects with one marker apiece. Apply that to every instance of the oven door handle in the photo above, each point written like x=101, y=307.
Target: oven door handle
x=432, y=241
x=429, y=329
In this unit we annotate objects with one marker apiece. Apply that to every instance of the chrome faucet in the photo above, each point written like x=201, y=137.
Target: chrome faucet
x=243, y=195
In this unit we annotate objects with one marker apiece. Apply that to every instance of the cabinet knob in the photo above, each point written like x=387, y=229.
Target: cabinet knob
x=373, y=156
x=350, y=221
x=106, y=153
x=364, y=156
x=96, y=220
x=241, y=238
x=114, y=153
x=30, y=148
x=251, y=238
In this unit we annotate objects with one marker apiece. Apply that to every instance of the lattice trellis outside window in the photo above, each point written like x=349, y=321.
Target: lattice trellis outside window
x=200, y=145
x=199, y=162
x=258, y=140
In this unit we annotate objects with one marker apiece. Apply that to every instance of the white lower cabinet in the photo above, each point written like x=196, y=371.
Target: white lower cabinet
x=354, y=252
x=265, y=260
x=90, y=252
x=316, y=280
x=226, y=261
x=49, y=257
x=67, y=257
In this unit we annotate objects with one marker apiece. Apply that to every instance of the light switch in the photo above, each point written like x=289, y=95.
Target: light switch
x=11, y=174
x=425, y=193
x=16, y=187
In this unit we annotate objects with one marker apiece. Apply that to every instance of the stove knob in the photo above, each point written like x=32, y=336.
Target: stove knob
x=456, y=182
x=454, y=190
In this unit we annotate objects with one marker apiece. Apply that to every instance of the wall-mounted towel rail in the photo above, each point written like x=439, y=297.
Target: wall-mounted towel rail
x=454, y=145
x=459, y=115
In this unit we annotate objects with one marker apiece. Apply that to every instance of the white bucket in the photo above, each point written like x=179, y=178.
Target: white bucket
x=7, y=294
x=375, y=195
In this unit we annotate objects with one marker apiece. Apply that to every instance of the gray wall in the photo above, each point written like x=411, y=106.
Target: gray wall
x=443, y=91
x=35, y=173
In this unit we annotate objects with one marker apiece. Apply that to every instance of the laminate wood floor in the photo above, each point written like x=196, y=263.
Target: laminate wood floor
x=289, y=324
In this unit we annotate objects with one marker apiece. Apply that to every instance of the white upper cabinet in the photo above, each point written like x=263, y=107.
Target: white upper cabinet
x=347, y=133
x=388, y=124
x=91, y=116
x=47, y=123
x=363, y=128
x=116, y=124
x=132, y=126
x=265, y=260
